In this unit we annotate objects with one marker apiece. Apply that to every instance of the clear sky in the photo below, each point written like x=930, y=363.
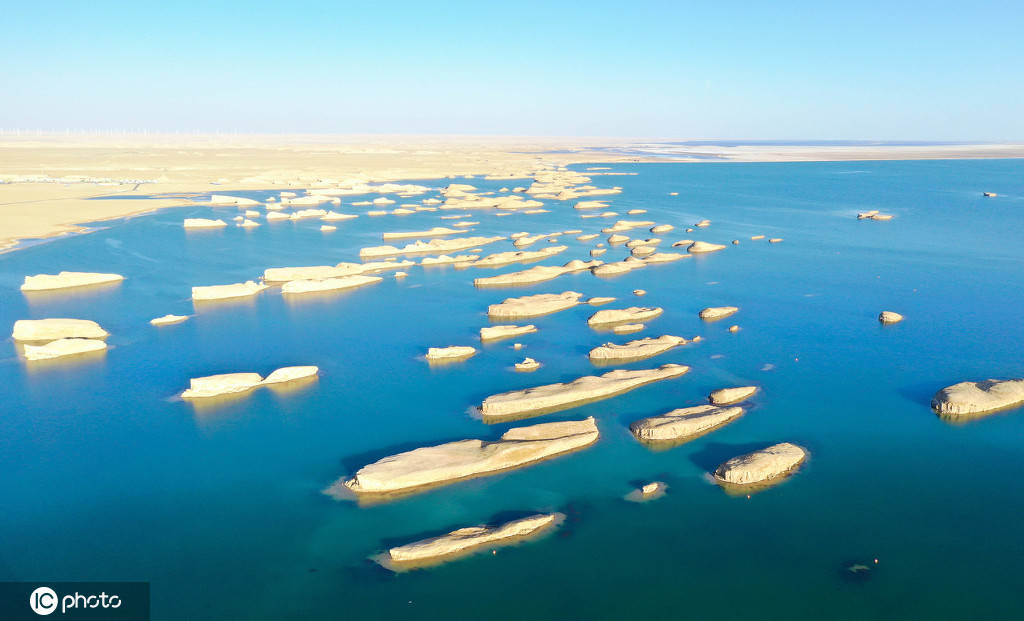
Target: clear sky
x=727, y=69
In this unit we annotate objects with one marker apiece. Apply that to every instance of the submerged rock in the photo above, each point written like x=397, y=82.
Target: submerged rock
x=67, y=280
x=684, y=423
x=767, y=464
x=534, y=305
x=465, y=540
x=968, y=399
x=647, y=491
x=551, y=397
x=56, y=328
x=62, y=348
x=446, y=463
x=725, y=396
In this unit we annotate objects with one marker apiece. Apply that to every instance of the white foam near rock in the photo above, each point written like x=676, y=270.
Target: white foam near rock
x=203, y=223
x=63, y=347
x=635, y=350
x=225, y=292
x=465, y=540
x=684, y=423
x=968, y=399
x=494, y=333
x=726, y=396
x=168, y=320
x=713, y=313
x=446, y=463
x=552, y=397
x=57, y=328
x=67, y=280
x=699, y=247
x=295, y=287
x=633, y=314
x=767, y=464
x=449, y=354
x=890, y=317
x=534, y=305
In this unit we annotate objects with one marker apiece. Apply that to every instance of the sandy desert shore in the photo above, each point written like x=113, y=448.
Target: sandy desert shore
x=51, y=184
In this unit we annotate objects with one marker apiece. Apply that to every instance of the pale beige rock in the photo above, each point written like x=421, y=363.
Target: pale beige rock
x=303, y=214
x=634, y=243
x=62, y=348
x=552, y=397
x=291, y=374
x=534, y=305
x=334, y=216
x=968, y=399
x=437, y=231
x=890, y=317
x=636, y=212
x=664, y=257
x=596, y=252
x=203, y=223
x=224, y=292
x=444, y=259
x=277, y=215
x=446, y=463
x=635, y=350
x=756, y=237
x=726, y=396
x=703, y=223
x=989, y=194
x=734, y=328
x=633, y=314
x=775, y=240
x=536, y=274
x=626, y=225
x=713, y=313
x=628, y=328
x=617, y=239
x=57, y=328
x=639, y=292
x=494, y=333
x=662, y=228
x=587, y=237
x=682, y=242
x=220, y=385
x=528, y=364
x=251, y=224
x=449, y=354
x=618, y=267
x=67, y=280
x=684, y=423
x=521, y=256
x=465, y=540
x=434, y=246
x=599, y=301
x=296, y=287
x=760, y=466
x=643, y=251
x=168, y=320
x=400, y=275
x=590, y=205
x=699, y=247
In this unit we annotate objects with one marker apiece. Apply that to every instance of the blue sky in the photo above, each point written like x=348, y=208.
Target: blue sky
x=758, y=70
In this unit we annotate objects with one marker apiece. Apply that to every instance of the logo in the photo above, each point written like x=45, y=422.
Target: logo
x=43, y=601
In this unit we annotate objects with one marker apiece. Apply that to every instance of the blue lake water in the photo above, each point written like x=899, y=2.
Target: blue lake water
x=106, y=476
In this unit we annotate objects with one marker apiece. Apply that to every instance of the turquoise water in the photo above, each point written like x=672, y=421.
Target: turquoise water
x=107, y=477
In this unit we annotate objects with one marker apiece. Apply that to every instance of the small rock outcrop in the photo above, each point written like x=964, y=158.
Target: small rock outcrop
x=763, y=466
x=968, y=399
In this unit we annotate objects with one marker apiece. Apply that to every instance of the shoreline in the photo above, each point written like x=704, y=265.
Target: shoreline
x=43, y=196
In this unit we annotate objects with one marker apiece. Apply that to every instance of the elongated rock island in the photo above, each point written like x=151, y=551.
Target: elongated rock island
x=725, y=396
x=465, y=540
x=62, y=348
x=767, y=464
x=552, y=397
x=635, y=350
x=227, y=292
x=56, y=328
x=633, y=314
x=67, y=280
x=445, y=463
x=534, y=305
x=684, y=423
x=968, y=399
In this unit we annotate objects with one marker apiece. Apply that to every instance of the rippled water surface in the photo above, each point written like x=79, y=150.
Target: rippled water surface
x=107, y=476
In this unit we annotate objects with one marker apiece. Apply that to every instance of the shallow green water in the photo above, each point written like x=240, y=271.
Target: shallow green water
x=105, y=476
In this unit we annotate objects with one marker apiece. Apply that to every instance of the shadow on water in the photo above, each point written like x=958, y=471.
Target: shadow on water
x=712, y=454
